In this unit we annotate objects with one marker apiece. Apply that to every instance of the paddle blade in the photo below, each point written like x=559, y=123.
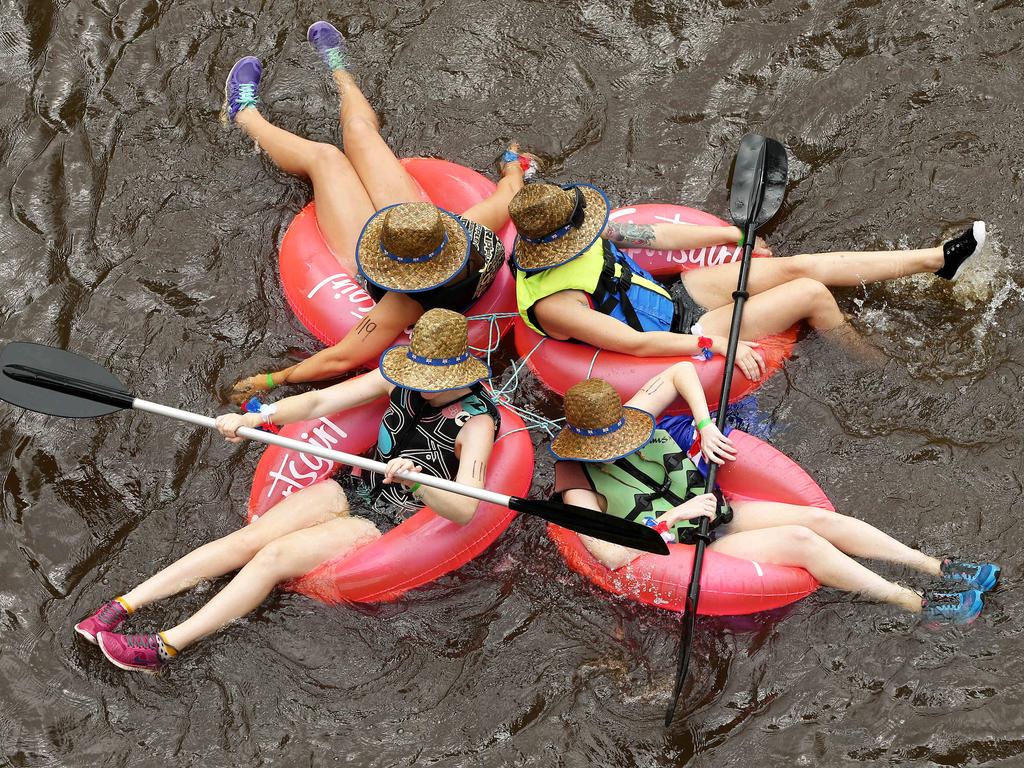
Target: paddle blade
x=758, y=181
x=591, y=523
x=57, y=382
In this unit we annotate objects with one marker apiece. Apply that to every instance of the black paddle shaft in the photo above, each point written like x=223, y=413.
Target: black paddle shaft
x=759, y=182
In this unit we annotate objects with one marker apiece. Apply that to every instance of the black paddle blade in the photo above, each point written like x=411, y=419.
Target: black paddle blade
x=596, y=524
x=57, y=382
x=758, y=181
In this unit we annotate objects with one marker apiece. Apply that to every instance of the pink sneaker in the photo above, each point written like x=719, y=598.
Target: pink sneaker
x=109, y=617
x=138, y=653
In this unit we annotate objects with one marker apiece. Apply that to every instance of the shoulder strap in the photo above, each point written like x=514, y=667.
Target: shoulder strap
x=613, y=290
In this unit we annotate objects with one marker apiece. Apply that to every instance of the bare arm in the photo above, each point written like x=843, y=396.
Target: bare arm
x=681, y=380
x=611, y=555
x=666, y=236
x=568, y=315
x=362, y=344
x=311, y=405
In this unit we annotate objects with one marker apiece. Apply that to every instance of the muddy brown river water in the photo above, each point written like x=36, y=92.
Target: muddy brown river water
x=137, y=230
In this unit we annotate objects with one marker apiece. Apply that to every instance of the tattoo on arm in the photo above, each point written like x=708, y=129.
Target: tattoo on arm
x=366, y=327
x=630, y=235
x=479, y=470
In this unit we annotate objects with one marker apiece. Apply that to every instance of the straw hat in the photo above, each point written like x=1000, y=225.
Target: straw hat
x=598, y=427
x=438, y=358
x=556, y=224
x=412, y=247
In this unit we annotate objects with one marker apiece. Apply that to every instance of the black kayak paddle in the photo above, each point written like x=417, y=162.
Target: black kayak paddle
x=758, y=187
x=60, y=383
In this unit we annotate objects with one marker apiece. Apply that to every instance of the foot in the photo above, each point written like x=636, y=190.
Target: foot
x=951, y=607
x=980, y=576
x=107, y=618
x=136, y=653
x=247, y=388
x=515, y=161
x=240, y=89
x=957, y=251
x=328, y=42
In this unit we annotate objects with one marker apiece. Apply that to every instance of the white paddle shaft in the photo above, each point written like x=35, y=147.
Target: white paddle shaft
x=352, y=460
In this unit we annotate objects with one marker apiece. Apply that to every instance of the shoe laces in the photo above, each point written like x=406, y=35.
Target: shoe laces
x=149, y=642
x=245, y=94
x=944, y=602
x=957, y=569
x=962, y=245
x=109, y=613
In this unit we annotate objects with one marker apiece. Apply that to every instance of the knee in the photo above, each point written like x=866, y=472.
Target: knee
x=273, y=559
x=820, y=520
x=359, y=129
x=816, y=296
x=332, y=498
x=328, y=155
x=804, y=539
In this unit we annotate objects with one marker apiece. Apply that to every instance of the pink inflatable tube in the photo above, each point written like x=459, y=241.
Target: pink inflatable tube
x=329, y=302
x=421, y=549
x=560, y=364
x=729, y=586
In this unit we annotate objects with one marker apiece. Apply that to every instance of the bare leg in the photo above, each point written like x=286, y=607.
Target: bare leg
x=342, y=203
x=777, y=309
x=713, y=286
x=848, y=534
x=381, y=173
x=493, y=212
x=282, y=559
x=307, y=507
x=799, y=546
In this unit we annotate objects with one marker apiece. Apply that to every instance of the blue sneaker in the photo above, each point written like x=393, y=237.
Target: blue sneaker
x=951, y=607
x=241, y=86
x=981, y=576
x=328, y=42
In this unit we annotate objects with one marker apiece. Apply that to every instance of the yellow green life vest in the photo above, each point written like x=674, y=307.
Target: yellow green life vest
x=650, y=482
x=619, y=287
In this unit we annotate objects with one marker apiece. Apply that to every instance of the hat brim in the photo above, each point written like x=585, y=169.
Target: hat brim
x=534, y=257
x=630, y=437
x=395, y=276
x=396, y=367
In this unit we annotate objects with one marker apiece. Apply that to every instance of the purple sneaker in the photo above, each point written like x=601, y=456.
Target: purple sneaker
x=109, y=617
x=137, y=653
x=241, y=86
x=328, y=42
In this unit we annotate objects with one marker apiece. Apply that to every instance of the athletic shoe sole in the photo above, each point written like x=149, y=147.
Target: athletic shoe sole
x=126, y=667
x=978, y=230
x=89, y=636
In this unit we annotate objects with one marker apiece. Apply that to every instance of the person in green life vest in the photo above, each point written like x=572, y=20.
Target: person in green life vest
x=439, y=420
x=574, y=283
x=624, y=461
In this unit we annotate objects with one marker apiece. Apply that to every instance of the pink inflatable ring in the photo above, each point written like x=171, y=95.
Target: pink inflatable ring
x=729, y=586
x=421, y=549
x=560, y=364
x=329, y=302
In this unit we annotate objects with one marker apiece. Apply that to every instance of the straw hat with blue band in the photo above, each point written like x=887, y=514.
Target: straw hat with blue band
x=412, y=247
x=556, y=224
x=438, y=359
x=598, y=427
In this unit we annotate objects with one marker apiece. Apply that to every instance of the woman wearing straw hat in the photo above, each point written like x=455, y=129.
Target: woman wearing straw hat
x=573, y=282
x=349, y=187
x=438, y=421
x=623, y=461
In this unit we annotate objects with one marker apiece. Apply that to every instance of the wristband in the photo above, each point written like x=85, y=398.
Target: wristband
x=742, y=239
x=704, y=345
x=267, y=412
x=415, y=487
x=270, y=382
x=703, y=423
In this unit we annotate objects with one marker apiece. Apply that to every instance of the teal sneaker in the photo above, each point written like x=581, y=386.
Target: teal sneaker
x=951, y=607
x=328, y=42
x=981, y=576
x=240, y=89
